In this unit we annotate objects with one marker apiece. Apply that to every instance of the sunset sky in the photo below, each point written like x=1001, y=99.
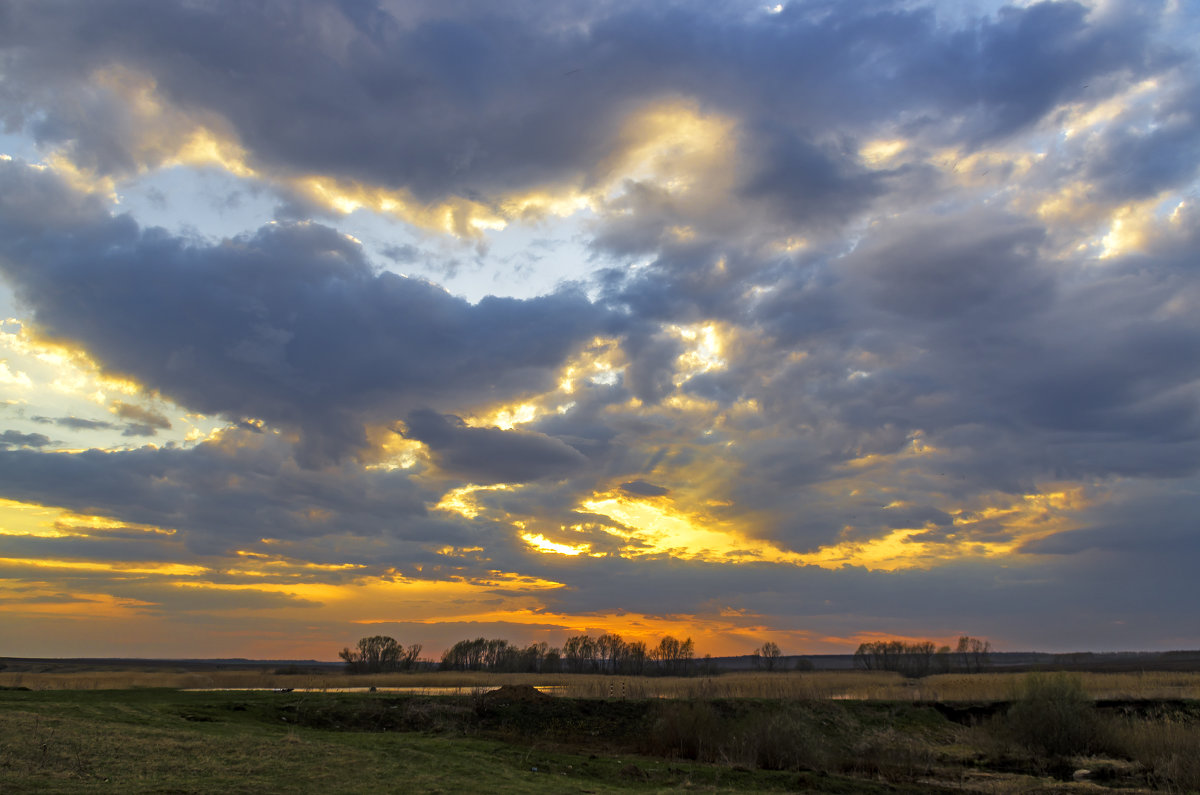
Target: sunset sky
x=817, y=322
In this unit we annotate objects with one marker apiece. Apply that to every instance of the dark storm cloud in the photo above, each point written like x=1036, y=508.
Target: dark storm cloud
x=475, y=102
x=290, y=324
x=492, y=455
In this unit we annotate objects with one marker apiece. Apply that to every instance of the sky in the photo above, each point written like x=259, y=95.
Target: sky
x=819, y=323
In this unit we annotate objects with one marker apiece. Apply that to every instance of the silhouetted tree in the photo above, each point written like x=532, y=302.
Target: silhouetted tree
x=974, y=654
x=380, y=653
x=674, y=657
x=579, y=654
x=767, y=656
x=909, y=659
x=942, y=661
x=636, y=656
x=609, y=649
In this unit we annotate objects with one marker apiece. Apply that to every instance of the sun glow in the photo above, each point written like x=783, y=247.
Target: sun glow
x=674, y=143
x=115, y=567
x=704, y=347
x=41, y=521
x=1083, y=116
x=656, y=527
x=879, y=152
x=462, y=500
x=72, y=370
x=543, y=544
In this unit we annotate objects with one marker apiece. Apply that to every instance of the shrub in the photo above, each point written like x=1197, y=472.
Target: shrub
x=1166, y=748
x=777, y=741
x=686, y=730
x=1053, y=716
x=889, y=754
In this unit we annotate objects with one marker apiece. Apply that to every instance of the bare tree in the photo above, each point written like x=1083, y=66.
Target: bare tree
x=609, y=648
x=674, y=656
x=636, y=655
x=380, y=653
x=974, y=654
x=767, y=656
x=911, y=659
x=579, y=653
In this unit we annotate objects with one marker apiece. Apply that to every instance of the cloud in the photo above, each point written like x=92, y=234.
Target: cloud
x=886, y=302
x=140, y=415
x=291, y=324
x=491, y=455
x=11, y=439
x=518, y=99
x=641, y=488
x=224, y=495
x=932, y=269
x=75, y=423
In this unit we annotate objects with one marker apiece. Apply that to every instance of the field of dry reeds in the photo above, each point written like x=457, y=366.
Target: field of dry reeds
x=816, y=685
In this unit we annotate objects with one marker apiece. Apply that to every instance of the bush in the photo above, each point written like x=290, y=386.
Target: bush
x=686, y=730
x=777, y=741
x=1053, y=716
x=771, y=737
x=891, y=755
x=1165, y=748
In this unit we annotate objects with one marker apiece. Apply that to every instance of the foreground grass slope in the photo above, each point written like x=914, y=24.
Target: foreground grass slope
x=518, y=740
x=168, y=741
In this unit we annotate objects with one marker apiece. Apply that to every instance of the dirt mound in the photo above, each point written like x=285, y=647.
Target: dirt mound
x=508, y=694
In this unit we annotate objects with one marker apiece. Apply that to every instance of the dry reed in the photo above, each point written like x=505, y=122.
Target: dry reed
x=818, y=685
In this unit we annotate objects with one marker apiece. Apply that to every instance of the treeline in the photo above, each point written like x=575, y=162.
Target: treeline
x=606, y=654
x=609, y=653
x=923, y=658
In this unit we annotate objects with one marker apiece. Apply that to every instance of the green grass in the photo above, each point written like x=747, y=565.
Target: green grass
x=516, y=740
x=167, y=741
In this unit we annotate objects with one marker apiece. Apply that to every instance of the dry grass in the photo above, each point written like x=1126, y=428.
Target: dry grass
x=819, y=685
x=1168, y=749
x=1152, y=685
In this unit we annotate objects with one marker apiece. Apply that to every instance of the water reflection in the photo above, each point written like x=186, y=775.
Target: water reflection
x=467, y=690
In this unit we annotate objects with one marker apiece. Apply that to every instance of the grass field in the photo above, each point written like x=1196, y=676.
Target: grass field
x=871, y=685
x=769, y=736
x=168, y=741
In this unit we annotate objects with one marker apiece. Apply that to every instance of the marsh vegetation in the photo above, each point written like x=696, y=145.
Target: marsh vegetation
x=817, y=732
x=814, y=685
